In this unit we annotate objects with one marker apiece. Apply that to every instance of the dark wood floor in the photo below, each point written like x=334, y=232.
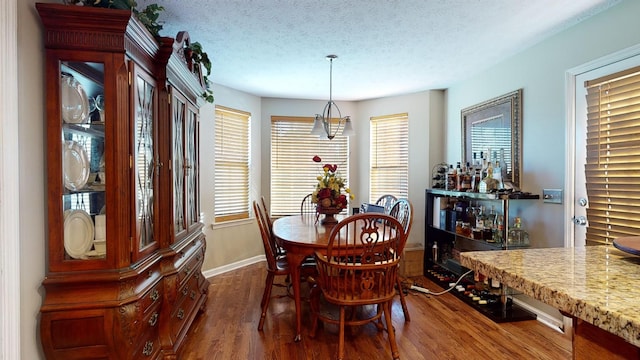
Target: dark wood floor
x=441, y=327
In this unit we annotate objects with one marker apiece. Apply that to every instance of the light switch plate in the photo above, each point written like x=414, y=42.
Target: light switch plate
x=553, y=196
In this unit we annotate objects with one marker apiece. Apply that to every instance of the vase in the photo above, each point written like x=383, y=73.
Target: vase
x=328, y=212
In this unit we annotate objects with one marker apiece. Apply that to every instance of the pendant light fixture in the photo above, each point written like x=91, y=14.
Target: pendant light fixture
x=322, y=125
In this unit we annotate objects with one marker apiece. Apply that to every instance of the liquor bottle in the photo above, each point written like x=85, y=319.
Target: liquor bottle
x=465, y=183
x=498, y=229
x=517, y=235
x=451, y=178
x=471, y=215
x=483, y=169
x=480, y=217
x=458, y=177
x=489, y=220
x=503, y=164
x=497, y=175
x=434, y=252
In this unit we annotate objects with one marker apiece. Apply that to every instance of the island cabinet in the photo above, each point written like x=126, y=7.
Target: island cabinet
x=124, y=239
x=450, y=229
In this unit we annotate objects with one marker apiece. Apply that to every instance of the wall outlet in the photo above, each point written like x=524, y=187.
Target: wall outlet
x=553, y=196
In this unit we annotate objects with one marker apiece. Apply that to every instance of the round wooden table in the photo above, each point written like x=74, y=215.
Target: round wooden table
x=301, y=236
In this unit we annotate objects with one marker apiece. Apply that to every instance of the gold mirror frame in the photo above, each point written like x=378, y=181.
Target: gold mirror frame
x=501, y=118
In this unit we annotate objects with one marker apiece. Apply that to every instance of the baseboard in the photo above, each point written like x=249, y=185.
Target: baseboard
x=542, y=316
x=233, y=266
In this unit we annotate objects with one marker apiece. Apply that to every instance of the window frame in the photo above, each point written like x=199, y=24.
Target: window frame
x=394, y=127
x=289, y=133
x=237, y=165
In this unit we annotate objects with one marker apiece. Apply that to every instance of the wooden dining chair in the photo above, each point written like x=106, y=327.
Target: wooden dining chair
x=267, y=216
x=387, y=202
x=359, y=267
x=403, y=211
x=276, y=265
x=306, y=206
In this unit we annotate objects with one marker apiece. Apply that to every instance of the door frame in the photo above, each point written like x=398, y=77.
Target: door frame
x=10, y=329
x=570, y=129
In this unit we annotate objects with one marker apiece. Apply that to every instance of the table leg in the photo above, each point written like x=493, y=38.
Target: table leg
x=295, y=261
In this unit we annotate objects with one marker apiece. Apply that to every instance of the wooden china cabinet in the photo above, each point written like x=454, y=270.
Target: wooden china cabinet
x=125, y=241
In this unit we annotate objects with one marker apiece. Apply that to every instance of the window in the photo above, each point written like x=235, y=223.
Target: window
x=612, y=166
x=293, y=172
x=389, y=156
x=231, y=164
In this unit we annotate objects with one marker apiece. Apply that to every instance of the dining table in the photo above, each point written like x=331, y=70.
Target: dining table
x=301, y=236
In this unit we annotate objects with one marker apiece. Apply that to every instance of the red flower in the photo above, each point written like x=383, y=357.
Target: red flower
x=324, y=193
x=330, y=167
x=317, y=159
x=342, y=200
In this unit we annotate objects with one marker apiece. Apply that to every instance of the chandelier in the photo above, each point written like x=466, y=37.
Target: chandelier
x=322, y=125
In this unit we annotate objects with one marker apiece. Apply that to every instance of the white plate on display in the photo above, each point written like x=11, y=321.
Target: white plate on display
x=75, y=165
x=78, y=233
x=74, y=102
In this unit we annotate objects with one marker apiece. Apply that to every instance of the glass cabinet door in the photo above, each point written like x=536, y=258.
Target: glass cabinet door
x=84, y=175
x=144, y=162
x=191, y=176
x=179, y=107
x=185, y=165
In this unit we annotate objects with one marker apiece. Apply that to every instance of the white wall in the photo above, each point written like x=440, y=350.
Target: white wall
x=425, y=111
x=238, y=240
x=33, y=180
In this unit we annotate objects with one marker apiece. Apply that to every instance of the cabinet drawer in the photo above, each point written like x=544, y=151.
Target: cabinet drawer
x=149, y=347
x=189, y=296
x=190, y=266
x=151, y=298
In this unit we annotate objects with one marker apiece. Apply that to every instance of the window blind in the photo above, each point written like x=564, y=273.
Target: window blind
x=293, y=171
x=612, y=166
x=231, y=164
x=389, y=156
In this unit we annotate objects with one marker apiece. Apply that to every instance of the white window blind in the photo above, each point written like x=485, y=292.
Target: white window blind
x=612, y=166
x=231, y=164
x=293, y=171
x=389, y=156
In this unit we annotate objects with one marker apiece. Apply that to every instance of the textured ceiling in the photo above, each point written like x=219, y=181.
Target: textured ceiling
x=277, y=48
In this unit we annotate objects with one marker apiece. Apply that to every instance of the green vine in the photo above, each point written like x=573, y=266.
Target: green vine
x=200, y=57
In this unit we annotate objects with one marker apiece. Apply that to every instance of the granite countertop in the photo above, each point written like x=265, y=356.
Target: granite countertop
x=598, y=284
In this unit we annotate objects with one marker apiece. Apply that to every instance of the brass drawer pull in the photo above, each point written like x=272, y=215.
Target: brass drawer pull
x=180, y=314
x=154, y=319
x=193, y=295
x=148, y=348
x=154, y=295
x=185, y=291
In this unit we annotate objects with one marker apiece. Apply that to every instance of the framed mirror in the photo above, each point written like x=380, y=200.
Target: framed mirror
x=493, y=127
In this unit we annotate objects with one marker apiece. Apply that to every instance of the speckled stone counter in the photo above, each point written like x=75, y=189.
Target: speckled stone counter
x=598, y=284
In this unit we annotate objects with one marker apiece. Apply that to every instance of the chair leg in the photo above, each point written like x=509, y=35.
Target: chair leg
x=391, y=331
x=341, y=334
x=266, y=296
x=314, y=302
x=403, y=301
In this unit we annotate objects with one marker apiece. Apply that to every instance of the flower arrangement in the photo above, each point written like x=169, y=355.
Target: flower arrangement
x=330, y=187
